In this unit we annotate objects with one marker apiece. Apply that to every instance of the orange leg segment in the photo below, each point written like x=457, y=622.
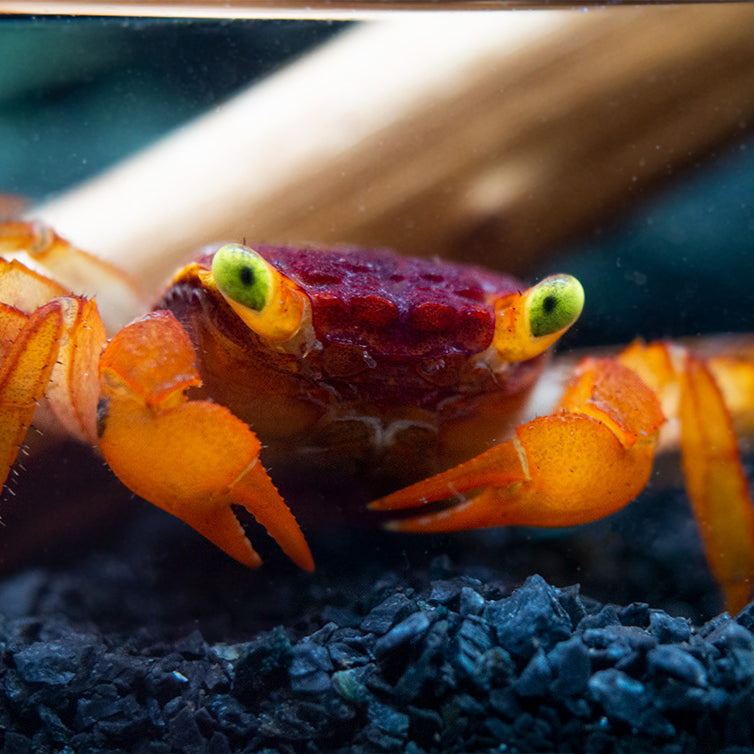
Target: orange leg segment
x=26, y=370
x=716, y=484
x=49, y=345
x=74, y=268
x=194, y=459
x=715, y=481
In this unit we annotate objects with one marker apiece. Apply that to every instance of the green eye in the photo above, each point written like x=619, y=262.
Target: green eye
x=555, y=304
x=243, y=276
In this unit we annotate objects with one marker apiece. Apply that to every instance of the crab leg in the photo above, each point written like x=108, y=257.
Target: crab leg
x=25, y=372
x=49, y=345
x=715, y=481
x=75, y=268
x=580, y=464
x=716, y=485
x=194, y=459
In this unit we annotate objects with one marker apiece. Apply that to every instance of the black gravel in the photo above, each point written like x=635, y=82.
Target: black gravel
x=152, y=641
x=457, y=666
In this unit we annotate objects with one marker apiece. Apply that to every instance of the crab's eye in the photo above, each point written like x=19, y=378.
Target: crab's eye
x=243, y=276
x=528, y=323
x=554, y=304
x=268, y=302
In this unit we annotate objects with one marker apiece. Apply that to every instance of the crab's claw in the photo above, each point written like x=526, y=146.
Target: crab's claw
x=580, y=464
x=595, y=455
x=194, y=459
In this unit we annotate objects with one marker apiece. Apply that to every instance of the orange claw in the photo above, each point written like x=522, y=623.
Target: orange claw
x=596, y=455
x=578, y=465
x=194, y=459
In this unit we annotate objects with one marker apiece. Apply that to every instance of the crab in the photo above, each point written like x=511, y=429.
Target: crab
x=362, y=365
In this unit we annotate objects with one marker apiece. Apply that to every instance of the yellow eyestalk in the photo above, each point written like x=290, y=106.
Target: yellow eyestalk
x=269, y=303
x=528, y=323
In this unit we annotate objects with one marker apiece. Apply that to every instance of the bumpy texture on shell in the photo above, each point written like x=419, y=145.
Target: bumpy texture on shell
x=395, y=306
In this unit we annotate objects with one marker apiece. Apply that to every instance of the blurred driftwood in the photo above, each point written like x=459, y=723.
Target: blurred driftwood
x=484, y=136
